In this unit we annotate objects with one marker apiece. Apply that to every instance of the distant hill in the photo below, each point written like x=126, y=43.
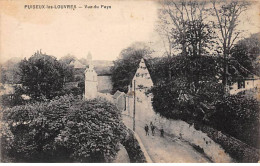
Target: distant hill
x=102, y=67
x=103, y=63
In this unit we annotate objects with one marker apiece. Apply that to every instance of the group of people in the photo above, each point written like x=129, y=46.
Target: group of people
x=146, y=128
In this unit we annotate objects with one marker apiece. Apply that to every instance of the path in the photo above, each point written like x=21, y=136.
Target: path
x=122, y=156
x=167, y=149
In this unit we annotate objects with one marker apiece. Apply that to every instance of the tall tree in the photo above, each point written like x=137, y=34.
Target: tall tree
x=42, y=76
x=185, y=28
x=227, y=14
x=125, y=66
x=246, y=53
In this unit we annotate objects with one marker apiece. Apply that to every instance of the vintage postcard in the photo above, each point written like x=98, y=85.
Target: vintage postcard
x=129, y=81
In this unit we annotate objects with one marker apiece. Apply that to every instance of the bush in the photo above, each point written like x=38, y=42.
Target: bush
x=65, y=129
x=238, y=116
x=133, y=148
x=192, y=89
x=10, y=100
x=194, y=93
x=237, y=149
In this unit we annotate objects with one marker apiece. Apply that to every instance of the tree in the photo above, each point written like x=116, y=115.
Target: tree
x=185, y=27
x=126, y=65
x=42, y=76
x=182, y=98
x=227, y=14
x=245, y=55
x=9, y=71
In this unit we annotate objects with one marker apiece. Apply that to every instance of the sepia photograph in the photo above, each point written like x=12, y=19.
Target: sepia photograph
x=129, y=81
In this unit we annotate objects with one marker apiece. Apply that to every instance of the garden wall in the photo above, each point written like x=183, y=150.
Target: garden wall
x=179, y=128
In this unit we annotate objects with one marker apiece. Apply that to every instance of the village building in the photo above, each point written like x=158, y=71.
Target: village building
x=77, y=65
x=101, y=68
x=142, y=79
x=250, y=83
x=120, y=100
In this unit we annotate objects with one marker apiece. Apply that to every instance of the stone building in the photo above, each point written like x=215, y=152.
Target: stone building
x=142, y=79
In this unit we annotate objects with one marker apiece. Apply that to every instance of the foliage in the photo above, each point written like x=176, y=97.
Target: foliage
x=65, y=129
x=239, y=117
x=43, y=76
x=237, y=149
x=185, y=27
x=10, y=100
x=228, y=18
x=192, y=90
x=246, y=52
x=126, y=65
x=136, y=155
x=194, y=93
x=9, y=71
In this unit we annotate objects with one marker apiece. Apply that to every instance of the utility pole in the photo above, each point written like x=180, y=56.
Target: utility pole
x=134, y=109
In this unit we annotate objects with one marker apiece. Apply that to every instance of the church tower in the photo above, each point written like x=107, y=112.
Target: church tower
x=91, y=83
x=89, y=58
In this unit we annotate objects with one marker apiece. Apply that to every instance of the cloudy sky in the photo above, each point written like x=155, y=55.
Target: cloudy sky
x=103, y=32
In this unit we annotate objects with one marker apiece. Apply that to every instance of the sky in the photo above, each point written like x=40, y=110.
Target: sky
x=102, y=32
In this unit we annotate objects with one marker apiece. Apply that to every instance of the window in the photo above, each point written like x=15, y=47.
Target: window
x=241, y=84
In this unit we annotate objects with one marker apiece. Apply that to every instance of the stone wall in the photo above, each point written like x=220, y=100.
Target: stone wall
x=146, y=114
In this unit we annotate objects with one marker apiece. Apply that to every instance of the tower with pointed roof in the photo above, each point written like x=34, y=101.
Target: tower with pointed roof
x=89, y=58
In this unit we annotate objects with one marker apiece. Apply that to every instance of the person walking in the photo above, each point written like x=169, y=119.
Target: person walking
x=162, y=132
x=152, y=128
x=146, y=128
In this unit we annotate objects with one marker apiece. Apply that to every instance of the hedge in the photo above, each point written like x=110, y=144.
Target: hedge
x=133, y=148
x=238, y=150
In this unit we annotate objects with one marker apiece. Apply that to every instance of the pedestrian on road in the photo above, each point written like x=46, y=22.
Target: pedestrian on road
x=152, y=128
x=162, y=132
x=146, y=128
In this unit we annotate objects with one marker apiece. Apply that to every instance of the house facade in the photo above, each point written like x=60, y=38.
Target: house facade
x=142, y=79
x=249, y=83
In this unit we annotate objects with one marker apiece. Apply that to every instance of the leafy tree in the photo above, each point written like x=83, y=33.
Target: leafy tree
x=65, y=129
x=42, y=76
x=245, y=55
x=183, y=97
x=238, y=116
x=126, y=65
x=186, y=29
x=227, y=14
